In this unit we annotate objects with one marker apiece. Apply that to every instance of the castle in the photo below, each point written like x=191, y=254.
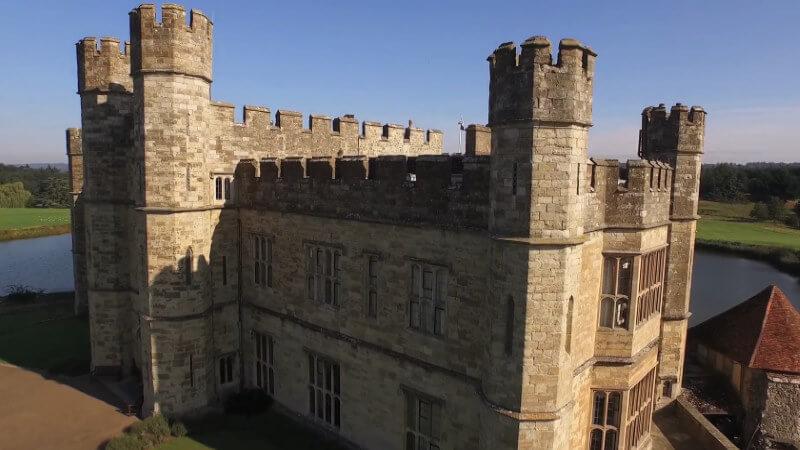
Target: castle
x=519, y=296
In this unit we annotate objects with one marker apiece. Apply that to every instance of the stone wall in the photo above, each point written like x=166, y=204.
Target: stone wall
x=519, y=225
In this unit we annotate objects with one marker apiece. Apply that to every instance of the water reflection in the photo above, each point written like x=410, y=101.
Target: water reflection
x=41, y=263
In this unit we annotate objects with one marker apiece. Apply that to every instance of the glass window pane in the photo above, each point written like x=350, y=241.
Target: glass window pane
x=425, y=417
x=596, y=441
x=336, y=379
x=611, y=440
x=311, y=400
x=607, y=313
x=410, y=441
x=328, y=408
x=609, y=267
x=311, y=368
x=414, y=314
x=614, y=402
x=599, y=406
x=441, y=286
x=411, y=412
x=625, y=276
x=416, y=284
x=337, y=409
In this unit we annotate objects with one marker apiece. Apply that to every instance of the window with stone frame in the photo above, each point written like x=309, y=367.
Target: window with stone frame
x=606, y=415
x=640, y=410
x=262, y=260
x=226, y=369
x=265, y=362
x=324, y=274
x=324, y=390
x=616, y=291
x=650, y=292
x=427, y=305
x=371, y=285
x=222, y=187
x=423, y=422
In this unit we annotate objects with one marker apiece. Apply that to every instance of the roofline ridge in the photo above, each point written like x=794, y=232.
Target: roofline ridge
x=767, y=311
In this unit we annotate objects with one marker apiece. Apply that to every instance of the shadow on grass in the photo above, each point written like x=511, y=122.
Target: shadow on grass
x=45, y=338
x=272, y=430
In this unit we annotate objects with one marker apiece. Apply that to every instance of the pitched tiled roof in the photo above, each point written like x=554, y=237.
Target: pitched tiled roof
x=762, y=332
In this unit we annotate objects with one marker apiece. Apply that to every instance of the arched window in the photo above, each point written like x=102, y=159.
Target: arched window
x=218, y=188
x=616, y=292
x=509, y=341
x=188, y=265
x=227, y=188
x=606, y=415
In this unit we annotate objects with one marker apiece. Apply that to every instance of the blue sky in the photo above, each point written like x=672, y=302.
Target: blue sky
x=394, y=61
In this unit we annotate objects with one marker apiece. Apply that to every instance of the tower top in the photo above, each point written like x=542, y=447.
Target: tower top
x=527, y=86
x=172, y=45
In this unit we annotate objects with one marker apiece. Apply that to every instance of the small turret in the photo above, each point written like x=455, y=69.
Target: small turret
x=170, y=46
x=529, y=86
x=105, y=69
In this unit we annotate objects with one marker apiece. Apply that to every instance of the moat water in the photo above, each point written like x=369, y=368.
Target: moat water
x=719, y=281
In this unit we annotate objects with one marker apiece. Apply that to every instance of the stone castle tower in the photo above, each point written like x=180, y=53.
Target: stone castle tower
x=519, y=296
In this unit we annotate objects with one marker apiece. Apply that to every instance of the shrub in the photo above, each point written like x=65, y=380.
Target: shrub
x=178, y=429
x=21, y=293
x=248, y=402
x=152, y=430
x=126, y=442
x=760, y=212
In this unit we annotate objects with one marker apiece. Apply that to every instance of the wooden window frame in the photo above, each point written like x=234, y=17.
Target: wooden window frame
x=651, y=287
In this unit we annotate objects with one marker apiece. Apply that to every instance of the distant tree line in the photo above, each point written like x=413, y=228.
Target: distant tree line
x=756, y=182
x=24, y=186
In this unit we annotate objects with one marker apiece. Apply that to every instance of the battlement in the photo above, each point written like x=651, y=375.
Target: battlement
x=634, y=194
x=668, y=131
x=527, y=86
x=449, y=191
x=171, y=45
x=105, y=68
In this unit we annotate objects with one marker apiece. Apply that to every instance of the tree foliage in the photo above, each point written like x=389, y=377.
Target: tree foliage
x=14, y=195
x=47, y=187
x=754, y=181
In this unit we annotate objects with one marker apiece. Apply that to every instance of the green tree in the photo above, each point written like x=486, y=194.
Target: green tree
x=14, y=195
x=759, y=211
x=52, y=192
x=776, y=208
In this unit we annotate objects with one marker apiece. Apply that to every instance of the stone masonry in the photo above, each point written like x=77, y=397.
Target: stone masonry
x=396, y=296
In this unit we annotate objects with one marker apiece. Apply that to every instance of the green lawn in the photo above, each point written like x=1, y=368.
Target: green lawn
x=22, y=223
x=48, y=338
x=16, y=218
x=731, y=223
x=268, y=431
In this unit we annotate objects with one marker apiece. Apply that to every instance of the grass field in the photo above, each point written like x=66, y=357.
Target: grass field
x=267, y=431
x=731, y=223
x=49, y=338
x=20, y=223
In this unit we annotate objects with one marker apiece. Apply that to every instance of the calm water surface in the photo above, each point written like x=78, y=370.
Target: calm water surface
x=720, y=280
x=40, y=263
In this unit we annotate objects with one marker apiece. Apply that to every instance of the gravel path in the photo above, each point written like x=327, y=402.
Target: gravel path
x=60, y=413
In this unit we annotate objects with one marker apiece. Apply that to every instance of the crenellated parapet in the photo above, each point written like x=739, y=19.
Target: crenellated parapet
x=449, y=191
x=172, y=45
x=663, y=132
x=103, y=69
x=529, y=86
x=296, y=132
x=631, y=195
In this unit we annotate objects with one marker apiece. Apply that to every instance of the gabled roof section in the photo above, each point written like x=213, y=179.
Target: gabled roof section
x=763, y=332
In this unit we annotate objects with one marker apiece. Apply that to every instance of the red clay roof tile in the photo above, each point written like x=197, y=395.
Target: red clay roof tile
x=762, y=332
